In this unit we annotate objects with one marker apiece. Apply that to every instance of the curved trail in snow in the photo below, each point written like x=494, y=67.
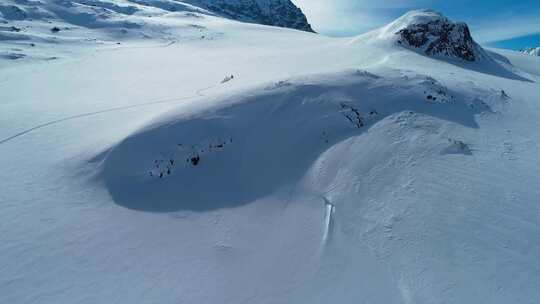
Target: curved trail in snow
x=77, y=116
x=132, y=47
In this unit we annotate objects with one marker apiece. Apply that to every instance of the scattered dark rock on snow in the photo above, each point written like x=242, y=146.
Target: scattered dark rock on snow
x=353, y=115
x=55, y=29
x=195, y=160
x=325, y=137
x=279, y=84
x=12, y=56
x=441, y=37
x=10, y=29
x=192, y=154
x=457, y=147
x=366, y=74
x=436, y=92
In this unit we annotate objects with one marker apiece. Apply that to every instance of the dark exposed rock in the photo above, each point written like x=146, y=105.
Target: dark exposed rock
x=12, y=56
x=282, y=13
x=353, y=115
x=195, y=160
x=441, y=37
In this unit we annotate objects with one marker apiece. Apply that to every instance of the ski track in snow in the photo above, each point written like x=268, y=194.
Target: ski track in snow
x=135, y=47
x=198, y=93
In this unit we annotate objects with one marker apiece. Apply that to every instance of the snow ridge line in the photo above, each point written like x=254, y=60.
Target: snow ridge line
x=43, y=125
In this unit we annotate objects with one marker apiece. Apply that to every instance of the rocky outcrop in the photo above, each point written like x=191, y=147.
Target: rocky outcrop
x=282, y=13
x=434, y=34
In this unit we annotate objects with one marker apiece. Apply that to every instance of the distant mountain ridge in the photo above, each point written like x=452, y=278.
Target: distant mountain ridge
x=532, y=51
x=282, y=13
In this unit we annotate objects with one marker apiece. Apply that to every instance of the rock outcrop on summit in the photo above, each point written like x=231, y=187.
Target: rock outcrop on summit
x=436, y=35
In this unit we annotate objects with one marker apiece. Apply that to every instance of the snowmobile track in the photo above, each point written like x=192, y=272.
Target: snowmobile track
x=198, y=93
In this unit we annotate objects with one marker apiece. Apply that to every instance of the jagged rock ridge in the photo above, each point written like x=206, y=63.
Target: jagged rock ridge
x=282, y=13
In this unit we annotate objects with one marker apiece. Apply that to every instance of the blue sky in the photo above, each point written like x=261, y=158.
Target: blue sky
x=500, y=23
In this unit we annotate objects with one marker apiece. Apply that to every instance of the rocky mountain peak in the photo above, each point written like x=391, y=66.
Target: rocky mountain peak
x=436, y=35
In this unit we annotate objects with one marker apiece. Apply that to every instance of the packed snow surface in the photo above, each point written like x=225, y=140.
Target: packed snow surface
x=179, y=157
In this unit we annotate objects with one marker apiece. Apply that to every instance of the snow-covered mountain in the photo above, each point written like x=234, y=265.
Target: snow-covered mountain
x=95, y=13
x=41, y=23
x=159, y=156
x=282, y=13
x=532, y=51
x=433, y=34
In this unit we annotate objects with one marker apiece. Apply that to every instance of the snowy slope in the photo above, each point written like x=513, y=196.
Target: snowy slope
x=530, y=64
x=323, y=171
x=32, y=30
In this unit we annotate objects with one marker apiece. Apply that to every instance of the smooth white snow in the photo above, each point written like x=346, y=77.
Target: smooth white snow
x=419, y=175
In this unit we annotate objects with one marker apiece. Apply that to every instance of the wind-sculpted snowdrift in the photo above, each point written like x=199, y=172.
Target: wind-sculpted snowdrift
x=250, y=145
